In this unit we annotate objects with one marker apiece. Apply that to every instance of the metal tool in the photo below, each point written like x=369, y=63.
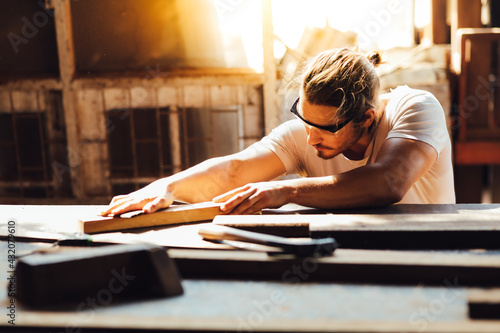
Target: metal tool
x=301, y=247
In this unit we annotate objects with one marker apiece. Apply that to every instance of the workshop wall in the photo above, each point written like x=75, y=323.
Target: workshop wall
x=101, y=97
x=28, y=45
x=119, y=35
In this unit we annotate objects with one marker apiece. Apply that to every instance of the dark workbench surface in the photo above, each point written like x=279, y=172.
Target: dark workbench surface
x=252, y=305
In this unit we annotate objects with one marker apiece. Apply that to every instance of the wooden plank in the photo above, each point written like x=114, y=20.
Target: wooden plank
x=60, y=218
x=175, y=214
x=92, y=146
x=32, y=84
x=477, y=97
x=414, y=231
x=176, y=78
x=175, y=139
x=91, y=115
x=94, y=163
x=261, y=306
x=439, y=29
x=175, y=237
x=464, y=14
x=484, y=303
x=476, y=114
x=64, y=35
x=251, y=98
x=280, y=225
x=115, y=319
x=370, y=266
x=67, y=68
x=387, y=231
x=403, y=209
x=251, y=115
x=460, y=62
x=352, y=266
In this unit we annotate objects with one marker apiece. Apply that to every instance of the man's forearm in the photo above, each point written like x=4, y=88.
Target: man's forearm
x=400, y=163
x=362, y=187
x=204, y=181
x=218, y=175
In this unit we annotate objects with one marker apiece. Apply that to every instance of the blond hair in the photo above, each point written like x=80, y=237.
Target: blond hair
x=345, y=79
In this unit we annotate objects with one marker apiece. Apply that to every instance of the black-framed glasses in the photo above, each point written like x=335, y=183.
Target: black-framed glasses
x=329, y=128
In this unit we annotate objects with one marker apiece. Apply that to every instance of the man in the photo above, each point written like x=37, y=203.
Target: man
x=354, y=148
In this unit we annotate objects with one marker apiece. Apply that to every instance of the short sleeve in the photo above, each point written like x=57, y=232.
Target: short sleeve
x=419, y=116
x=286, y=141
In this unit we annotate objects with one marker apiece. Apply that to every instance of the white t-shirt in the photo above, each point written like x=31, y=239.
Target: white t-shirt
x=410, y=114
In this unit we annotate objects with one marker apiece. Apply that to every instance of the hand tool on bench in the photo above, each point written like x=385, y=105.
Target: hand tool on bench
x=301, y=247
x=406, y=231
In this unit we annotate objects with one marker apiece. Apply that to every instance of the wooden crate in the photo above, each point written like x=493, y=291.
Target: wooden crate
x=478, y=121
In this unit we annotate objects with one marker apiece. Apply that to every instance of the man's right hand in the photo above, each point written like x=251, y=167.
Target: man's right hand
x=149, y=198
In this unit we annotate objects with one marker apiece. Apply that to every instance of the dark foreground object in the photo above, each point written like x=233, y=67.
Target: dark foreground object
x=101, y=275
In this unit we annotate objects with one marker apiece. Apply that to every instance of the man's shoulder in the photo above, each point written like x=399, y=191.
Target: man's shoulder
x=289, y=126
x=288, y=133
x=405, y=98
x=404, y=94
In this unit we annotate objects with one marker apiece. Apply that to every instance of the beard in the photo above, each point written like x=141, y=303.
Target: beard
x=327, y=153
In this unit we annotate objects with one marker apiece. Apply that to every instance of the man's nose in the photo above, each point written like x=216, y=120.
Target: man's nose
x=313, y=136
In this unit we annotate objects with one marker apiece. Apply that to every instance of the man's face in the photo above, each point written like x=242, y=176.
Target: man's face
x=327, y=144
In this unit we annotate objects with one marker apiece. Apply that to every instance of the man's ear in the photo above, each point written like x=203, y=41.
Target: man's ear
x=369, y=119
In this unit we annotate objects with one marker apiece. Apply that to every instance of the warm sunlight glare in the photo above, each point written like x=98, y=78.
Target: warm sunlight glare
x=240, y=22
x=378, y=23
